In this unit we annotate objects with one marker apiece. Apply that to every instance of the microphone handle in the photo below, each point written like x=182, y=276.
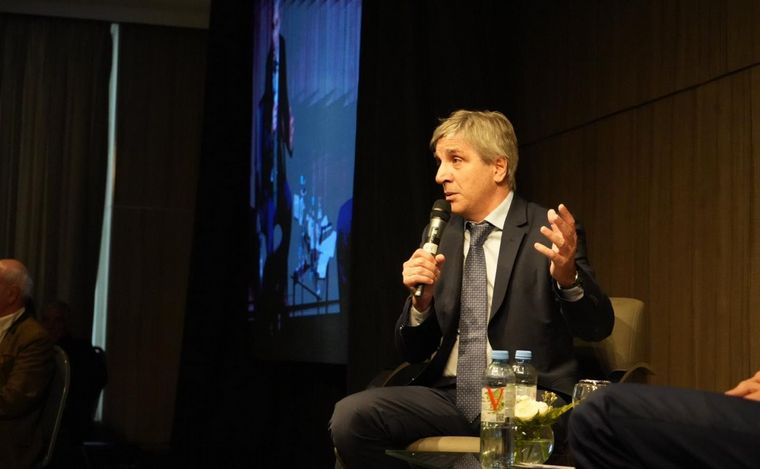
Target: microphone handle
x=432, y=247
x=437, y=224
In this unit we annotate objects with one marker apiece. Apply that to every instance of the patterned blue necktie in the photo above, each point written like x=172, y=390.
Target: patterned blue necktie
x=473, y=321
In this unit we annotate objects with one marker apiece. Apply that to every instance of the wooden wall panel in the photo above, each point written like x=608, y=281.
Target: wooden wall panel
x=742, y=33
x=585, y=60
x=658, y=196
x=639, y=116
x=750, y=318
x=665, y=193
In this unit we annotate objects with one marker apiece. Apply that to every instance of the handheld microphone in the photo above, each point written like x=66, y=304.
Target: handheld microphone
x=439, y=217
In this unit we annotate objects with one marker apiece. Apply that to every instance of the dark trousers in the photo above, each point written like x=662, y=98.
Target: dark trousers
x=640, y=426
x=369, y=422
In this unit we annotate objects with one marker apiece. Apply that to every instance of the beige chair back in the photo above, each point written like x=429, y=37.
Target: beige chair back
x=621, y=356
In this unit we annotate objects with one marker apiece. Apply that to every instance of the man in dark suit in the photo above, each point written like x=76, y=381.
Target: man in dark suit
x=541, y=293
x=629, y=426
x=26, y=367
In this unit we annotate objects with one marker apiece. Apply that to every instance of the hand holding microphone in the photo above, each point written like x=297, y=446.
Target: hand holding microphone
x=439, y=217
x=419, y=264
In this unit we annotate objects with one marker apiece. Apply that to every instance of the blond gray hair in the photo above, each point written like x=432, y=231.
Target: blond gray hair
x=490, y=132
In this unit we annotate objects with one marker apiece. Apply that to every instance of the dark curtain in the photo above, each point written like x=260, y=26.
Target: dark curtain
x=53, y=152
x=216, y=412
x=419, y=62
x=160, y=114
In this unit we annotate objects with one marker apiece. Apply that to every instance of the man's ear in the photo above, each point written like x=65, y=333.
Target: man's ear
x=15, y=294
x=500, y=169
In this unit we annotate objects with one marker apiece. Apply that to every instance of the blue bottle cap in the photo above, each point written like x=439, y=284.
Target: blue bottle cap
x=501, y=355
x=523, y=354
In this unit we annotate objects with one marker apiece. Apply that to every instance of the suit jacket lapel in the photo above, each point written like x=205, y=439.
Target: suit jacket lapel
x=512, y=236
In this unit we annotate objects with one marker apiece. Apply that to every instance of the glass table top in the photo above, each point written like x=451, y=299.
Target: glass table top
x=446, y=460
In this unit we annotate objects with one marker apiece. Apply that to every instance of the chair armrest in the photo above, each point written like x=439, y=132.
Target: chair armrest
x=636, y=373
x=448, y=444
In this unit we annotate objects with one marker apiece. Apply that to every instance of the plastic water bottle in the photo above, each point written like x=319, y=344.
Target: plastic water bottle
x=526, y=377
x=497, y=411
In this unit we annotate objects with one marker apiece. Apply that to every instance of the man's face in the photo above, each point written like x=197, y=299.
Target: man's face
x=470, y=185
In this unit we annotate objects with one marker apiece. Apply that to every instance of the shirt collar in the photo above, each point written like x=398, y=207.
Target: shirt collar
x=499, y=215
x=7, y=321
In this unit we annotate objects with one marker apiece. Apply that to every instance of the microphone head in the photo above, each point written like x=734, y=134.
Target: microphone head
x=441, y=209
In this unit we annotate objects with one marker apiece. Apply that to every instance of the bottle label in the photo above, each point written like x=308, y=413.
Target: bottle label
x=497, y=404
x=525, y=391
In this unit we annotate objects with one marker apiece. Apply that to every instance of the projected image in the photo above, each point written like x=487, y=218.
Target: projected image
x=316, y=248
x=305, y=68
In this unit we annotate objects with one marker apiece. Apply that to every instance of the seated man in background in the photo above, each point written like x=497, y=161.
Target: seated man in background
x=88, y=377
x=26, y=368
x=638, y=426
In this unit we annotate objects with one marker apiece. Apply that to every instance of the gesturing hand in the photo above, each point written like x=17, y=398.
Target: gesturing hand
x=748, y=389
x=564, y=241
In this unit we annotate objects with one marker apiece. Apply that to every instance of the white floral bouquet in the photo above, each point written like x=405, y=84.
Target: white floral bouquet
x=534, y=438
x=530, y=413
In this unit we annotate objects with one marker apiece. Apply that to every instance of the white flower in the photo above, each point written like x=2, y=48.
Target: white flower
x=526, y=409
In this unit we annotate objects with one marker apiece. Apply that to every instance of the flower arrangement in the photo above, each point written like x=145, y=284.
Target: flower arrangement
x=530, y=413
x=534, y=439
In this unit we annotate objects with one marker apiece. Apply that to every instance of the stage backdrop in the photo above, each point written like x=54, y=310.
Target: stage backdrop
x=305, y=85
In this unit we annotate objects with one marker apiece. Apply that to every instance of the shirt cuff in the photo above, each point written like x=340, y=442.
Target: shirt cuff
x=417, y=317
x=570, y=294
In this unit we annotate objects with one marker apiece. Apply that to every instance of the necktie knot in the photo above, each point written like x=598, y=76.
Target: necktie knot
x=479, y=232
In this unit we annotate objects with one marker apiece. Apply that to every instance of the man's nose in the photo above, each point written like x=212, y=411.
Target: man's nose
x=442, y=175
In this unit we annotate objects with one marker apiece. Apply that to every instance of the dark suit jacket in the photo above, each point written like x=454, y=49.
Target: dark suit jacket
x=26, y=367
x=527, y=312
